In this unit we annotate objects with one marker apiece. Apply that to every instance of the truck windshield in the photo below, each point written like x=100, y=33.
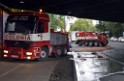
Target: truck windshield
x=19, y=26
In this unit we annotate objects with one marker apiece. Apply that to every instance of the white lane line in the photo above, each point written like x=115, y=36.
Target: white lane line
x=10, y=71
x=114, y=59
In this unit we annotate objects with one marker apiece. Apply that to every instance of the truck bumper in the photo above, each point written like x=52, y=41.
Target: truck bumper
x=17, y=53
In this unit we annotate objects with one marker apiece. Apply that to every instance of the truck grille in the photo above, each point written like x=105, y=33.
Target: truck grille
x=20, y=44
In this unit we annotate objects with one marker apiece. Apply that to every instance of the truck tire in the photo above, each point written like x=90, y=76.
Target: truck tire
x=104, y=43
x=44, y=54
x=58, y=52
x=77, y=42
x=93, y=43
x=64, y=51
x=96, y=43
x=80, y=43
x=90, y=43
x=86, y=43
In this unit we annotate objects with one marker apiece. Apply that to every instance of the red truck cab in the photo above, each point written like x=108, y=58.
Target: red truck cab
x=27, y=36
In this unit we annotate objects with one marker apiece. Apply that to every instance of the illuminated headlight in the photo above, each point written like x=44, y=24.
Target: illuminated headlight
x=5, y=55
x=5, y=51
x=28, y=53
x=28, y=57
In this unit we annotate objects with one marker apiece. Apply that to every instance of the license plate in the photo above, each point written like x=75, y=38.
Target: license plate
x=14, y=56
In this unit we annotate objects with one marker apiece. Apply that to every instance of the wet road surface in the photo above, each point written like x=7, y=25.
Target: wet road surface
x=91, y=68
x=117, y=52
x=26, y=70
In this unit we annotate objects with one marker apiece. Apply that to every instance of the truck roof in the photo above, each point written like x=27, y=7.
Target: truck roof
x=42, y=16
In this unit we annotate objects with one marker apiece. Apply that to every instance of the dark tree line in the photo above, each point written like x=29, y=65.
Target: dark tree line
x=115, y=28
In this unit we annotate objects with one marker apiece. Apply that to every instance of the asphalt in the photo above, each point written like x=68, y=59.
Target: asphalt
x=91, y=68
x=98, y=69
x=27, y=70
x=117, y=76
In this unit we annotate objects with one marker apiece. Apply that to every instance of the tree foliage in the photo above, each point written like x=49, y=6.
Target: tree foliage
x=114, y=28
x=58, y=21
x=54, y=21
x=82, y=25
x=101, y=26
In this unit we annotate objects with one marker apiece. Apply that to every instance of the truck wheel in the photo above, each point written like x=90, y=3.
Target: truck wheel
x=58, y=52
x=104, y=43
x=86, y=43
x=93, y=43
x=90, y=43
x=64, y=51
x=77, y=42
x=80, y=43
x=96, y=43
x=43, y=54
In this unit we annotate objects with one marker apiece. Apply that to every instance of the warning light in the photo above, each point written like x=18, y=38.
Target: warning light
x=22, y=10
x=21, y=2
x=40, y=10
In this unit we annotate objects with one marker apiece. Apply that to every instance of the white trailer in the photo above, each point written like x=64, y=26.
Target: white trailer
x=73, y=36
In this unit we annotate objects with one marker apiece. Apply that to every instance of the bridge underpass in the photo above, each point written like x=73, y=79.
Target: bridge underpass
x=110, y=14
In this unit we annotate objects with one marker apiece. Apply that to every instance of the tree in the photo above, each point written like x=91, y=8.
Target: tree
x=58, y=21
x=115, y=28
x=101, y=26
x=82, y=25
x=53, y=21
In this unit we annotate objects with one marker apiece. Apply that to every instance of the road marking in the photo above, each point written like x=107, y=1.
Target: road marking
x=113, y=59
x=10, y=71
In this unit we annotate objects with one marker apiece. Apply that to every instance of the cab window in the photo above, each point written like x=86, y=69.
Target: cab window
x=40, y=27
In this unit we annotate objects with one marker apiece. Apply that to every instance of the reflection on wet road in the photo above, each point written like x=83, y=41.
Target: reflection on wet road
x=91, y=66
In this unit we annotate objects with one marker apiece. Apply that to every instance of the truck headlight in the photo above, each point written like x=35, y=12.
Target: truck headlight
x=28, y=53
x=5, y=55
x=5, y=51
x=28, y=57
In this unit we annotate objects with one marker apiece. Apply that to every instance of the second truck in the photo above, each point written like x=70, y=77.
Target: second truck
x=91, y=39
